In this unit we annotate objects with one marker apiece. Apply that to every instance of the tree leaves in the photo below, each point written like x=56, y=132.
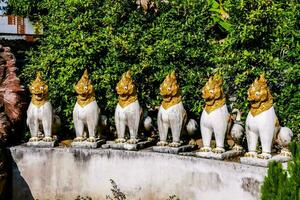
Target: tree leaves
x=194, y=37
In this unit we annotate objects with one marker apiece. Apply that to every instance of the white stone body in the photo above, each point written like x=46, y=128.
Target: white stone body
x=236, y=131
x=261, y=126
x=87, y=116
x=128, y=116
x=214, y=122
x=40, y=117
x=285, y=136
x=173, y=118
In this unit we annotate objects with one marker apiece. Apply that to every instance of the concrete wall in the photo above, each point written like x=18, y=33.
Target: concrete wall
x=64, y=173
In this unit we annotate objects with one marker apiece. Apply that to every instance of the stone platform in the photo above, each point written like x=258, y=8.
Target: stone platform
x=264, y=162
x=86, y=144
x=42, y=144
x=221, y=156
x=126, y=146
x=174, y=150
x=64, y=173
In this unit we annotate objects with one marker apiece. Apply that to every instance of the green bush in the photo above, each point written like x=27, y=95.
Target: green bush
x=281, y=184
x=195, y=37
x=265, y=38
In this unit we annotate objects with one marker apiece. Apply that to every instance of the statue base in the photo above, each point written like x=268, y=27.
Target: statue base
x=219, y=156
x=42, y=144
x=174, y=150
x=88, y=145
x=264, y=162
x=127, y=146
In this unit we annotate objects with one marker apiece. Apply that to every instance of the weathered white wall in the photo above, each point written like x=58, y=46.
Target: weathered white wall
x=64, y=173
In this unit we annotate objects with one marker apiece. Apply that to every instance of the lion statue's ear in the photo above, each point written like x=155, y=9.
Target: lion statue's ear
x=175, y=89
x=132, y=88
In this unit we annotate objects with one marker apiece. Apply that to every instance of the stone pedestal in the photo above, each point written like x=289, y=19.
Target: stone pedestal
x=126, y=146
x=42, y=144
x=264, y=162
x=86, y=144
x=221, y=156
x=174, y=150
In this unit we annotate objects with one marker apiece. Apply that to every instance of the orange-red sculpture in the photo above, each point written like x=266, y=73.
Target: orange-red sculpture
x=10, y=93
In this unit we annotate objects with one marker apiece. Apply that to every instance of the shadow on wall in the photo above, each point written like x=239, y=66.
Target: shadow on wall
x=17, y=189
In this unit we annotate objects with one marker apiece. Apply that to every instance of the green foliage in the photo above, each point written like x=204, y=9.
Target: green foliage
x=264, y=38
x=281, y=184
x=117, y=194
x=83, y=198
x=195, y=37
x=219, y=15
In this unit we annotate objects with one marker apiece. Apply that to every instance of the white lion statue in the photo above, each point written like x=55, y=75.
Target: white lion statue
x=262, y=122
x=86, y=113
x=128, y=111
x=215, y=117
x=40, y=117
x=171, y=113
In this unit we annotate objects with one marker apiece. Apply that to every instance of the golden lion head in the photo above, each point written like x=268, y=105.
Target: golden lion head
x=39, y=90
x=259, y=95
x=126, y=90
x=170, y=91
x=85, y=90
x=212, y=90
x=125, y=86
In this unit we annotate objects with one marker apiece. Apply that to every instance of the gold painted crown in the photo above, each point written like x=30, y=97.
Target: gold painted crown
x=212, y=93
x=126, y=90
x=85, y=90
x=126, y=85
x=39, y=90
x=261, y=82
x=170, y=91
x=260, y=96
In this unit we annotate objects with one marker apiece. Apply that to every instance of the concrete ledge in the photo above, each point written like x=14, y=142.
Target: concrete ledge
x=65, y=173
x=174, y=150
x=42, y=144
x=126, y=146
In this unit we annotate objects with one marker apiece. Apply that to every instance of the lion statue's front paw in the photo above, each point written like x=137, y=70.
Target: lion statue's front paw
x=48, y=139
x=132, y=141
x=237, y=147
x=174, y=144
x=120, y=140
x=162, y=143
x=285, y=152
x=205, y=149
x=34, y=139
x=218, y=150
x=264, y=156
x=251, y=154
x=79, y=139
x=91, y=139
